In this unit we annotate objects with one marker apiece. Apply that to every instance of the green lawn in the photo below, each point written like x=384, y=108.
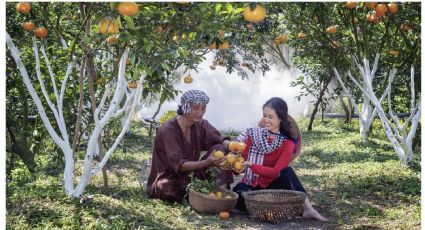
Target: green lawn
x=358, y=185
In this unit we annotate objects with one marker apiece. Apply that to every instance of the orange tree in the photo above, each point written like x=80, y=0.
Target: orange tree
x=334, y=32
x=160, y=38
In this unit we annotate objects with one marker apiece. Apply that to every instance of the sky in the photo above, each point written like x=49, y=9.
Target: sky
x=236, y=104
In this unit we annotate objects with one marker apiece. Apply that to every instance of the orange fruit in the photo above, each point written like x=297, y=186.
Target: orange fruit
x=393, y=7
x=128, y=8
x=224, y=215
x=233, y=146
x=302, y=35
x=283, y=37
x=218, y=154
x=240, y=159
x=381, y=9
x=370, y=5
x=108, y=26
x=23, y=7
x=241, y=146
x=188, y=79
x=351, y=5
x=41, y=32
x=331, y=29
x=218, y=194
x=371, y=17
x=28, y=26
x=394, y=52
x=238, y=166
x=231, y=158
x=224, y=46
x=112, y=40
x=132, y=85
x=256, y=15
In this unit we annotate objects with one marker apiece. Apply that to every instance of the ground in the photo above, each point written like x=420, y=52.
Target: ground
x=356, y=184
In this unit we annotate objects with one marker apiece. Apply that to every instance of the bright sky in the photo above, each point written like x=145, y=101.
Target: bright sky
x=236, y=104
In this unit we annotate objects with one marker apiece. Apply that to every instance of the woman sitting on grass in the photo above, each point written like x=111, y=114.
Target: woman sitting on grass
x=269, y=151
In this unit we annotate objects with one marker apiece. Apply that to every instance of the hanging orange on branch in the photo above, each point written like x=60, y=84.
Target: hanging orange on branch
x=188, y=79
x=28, y=26
x=109, y=26
x=41, y=32
x=128, y=8
x=23, y=7
x=254, y=14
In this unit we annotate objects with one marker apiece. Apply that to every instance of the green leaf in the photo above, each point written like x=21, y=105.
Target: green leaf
x=129, y=22
x=165, y=66
x=217, y=8
x=229, y=7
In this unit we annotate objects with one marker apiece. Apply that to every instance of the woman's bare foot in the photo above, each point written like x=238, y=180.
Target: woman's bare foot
x=311, y=213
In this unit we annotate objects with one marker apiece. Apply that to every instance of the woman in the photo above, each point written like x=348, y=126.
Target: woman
x=269, y=151
x=177, y=148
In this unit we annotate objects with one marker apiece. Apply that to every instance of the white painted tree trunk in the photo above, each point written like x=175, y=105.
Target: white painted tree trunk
x=397, y=134
x=62, y=139
x=368, y=113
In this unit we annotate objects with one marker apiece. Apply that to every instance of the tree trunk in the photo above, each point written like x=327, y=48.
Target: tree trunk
x=316, y=105
x=346, y=109
x=80, y=109
x=21, y=149
x=151, y=126
x=91, y=77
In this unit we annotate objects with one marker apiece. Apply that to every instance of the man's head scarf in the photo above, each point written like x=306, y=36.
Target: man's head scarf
x=193, y=97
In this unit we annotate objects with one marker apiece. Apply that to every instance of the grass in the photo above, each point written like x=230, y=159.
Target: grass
x=357, y=184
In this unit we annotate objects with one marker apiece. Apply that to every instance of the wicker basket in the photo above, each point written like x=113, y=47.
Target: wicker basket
x=274, y=205
x=204, y=203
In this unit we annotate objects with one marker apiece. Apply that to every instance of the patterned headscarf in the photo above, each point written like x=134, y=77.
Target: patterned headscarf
x=193, y=97
x=259, y=148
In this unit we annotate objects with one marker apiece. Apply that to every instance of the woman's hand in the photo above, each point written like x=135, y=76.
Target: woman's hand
x=247, y=164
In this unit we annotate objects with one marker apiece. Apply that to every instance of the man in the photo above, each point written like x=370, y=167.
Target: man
x=177, y=148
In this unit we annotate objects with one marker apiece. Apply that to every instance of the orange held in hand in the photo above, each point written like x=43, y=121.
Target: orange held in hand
x=238, y=166
x=218, y=154
x=241, y=146
x=233, y=146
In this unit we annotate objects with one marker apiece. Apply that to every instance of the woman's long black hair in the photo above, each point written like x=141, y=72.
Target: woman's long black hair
x=281, y=108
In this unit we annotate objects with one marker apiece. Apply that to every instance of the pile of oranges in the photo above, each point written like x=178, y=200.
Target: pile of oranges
x=234, y=161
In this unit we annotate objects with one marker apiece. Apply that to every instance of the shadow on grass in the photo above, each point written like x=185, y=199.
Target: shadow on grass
x=370, y=151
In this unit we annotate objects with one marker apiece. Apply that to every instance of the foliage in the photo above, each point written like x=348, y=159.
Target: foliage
x=167, y=116
x=205, y=186
x=316, y=54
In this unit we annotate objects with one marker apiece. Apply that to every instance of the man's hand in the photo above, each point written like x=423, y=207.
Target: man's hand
x=215, y=161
